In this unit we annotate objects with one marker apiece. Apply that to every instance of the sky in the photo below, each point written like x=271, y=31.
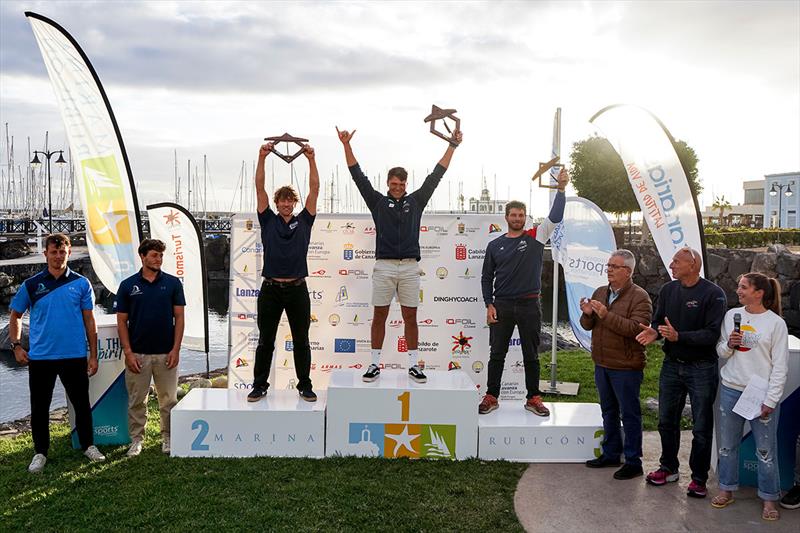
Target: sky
x=215, y=78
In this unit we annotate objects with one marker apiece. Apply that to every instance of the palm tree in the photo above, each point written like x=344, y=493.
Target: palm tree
x=721, y=204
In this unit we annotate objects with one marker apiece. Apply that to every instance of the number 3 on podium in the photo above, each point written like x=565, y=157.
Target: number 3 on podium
x=405, y=403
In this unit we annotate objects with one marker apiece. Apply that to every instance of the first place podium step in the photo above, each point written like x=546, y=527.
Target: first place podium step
x=397, y=417
x=222, y=423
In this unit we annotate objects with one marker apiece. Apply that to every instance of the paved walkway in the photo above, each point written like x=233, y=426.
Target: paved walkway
x=572, y=498
x=78, y=252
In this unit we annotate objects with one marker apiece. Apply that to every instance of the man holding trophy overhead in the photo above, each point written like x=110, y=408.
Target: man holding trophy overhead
x=397, y=217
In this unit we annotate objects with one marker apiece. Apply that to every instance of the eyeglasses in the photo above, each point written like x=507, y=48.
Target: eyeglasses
x=616, y=267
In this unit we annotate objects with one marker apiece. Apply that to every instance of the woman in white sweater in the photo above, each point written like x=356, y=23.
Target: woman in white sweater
x=760, y=347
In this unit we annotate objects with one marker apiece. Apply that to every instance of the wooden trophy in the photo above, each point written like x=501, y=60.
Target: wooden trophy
x=437, y=113
x=543, y=168
x=287, y=139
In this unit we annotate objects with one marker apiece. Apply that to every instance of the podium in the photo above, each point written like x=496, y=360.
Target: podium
x=222, y=423
x=397, y=417
x=571, y=434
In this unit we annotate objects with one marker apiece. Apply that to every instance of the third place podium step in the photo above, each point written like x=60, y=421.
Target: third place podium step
x=396, y=417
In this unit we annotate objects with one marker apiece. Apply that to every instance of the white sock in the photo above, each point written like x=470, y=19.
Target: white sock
x=413, y=359
x=376, y=357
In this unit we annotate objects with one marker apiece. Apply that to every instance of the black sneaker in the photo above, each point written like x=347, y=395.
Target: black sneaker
x=791, y=500
x=416, y=374
x=372, y=373
x=602, y=462
x=308, y=395
x=256, y=394
x=628, y=472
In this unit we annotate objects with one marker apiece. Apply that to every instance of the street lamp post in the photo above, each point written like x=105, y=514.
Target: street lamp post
x=777, y=189
x=60, y=162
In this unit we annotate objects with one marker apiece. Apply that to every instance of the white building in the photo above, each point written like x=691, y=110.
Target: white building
x=782, y=201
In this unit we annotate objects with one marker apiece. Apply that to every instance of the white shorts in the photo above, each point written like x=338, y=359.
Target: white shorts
x=395, y=276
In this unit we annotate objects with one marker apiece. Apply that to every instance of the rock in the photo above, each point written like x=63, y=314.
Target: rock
x=766, y=263
x=789, y=265
x=729, y=287
x=777, y=249
x=220, y=382
x=717, y=265
x=5, y=342
x=5, y=280
x=217, y=250
x=201, y=383
x=13, y=249
x=181, y=392
x=651, y=404
x=738, y=266
x=649, y=264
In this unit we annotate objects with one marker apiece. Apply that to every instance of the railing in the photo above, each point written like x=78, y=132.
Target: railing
x=71, y=226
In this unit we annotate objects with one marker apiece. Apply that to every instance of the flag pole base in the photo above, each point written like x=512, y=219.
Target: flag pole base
x=562, y=388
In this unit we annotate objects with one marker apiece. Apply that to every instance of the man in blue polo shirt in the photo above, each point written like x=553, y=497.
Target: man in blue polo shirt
x=150, y=322
x=285, y=238
x=397, y=217
x=61, y=319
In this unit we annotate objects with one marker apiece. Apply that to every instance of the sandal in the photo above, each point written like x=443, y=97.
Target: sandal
x=770, y=514
x=720, y=501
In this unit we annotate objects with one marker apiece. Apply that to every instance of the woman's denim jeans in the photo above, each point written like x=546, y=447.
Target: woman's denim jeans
x=765, y=433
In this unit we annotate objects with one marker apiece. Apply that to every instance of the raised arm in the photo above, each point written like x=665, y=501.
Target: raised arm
x=545, y=229
x=451, y=148
x=261, y=192
x=346, y=136
x=313, y=181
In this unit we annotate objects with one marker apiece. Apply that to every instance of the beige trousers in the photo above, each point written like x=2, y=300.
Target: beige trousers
x=153, y=366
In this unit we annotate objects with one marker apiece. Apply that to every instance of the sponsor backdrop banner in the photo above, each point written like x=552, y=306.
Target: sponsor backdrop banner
x=108, y=395
x=451, y=314
x=584, y=241
x=656, y=176
x=184, y=259
x=104, y=179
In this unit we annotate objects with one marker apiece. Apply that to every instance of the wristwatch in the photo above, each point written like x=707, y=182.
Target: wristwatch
x=14, y=345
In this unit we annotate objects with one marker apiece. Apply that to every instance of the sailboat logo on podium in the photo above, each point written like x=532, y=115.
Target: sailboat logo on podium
x=433, y=441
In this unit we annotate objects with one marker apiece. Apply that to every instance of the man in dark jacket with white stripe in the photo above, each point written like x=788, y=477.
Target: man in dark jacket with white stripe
x=397, y=217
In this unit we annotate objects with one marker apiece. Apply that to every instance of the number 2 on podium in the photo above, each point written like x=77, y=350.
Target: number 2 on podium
x=405, y=403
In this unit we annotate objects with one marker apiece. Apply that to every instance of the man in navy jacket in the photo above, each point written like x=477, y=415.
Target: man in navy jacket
x=397, y=217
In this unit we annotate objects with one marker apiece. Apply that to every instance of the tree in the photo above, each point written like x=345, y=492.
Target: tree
x=721, y=204
x=598, y=174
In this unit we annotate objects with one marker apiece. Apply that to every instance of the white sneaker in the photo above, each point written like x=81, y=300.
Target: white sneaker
x=94, y=454
x=37, y=465
x=165, y=445
x=135, y=449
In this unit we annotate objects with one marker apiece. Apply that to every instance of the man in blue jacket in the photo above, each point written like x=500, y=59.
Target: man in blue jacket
x=397, y=217
x=511, y=281
x=688, y=316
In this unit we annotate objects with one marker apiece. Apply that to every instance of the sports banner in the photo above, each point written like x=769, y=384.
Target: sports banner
x=184, y=258
x=108, y=394
x=105, y=183
x=656, y=176
x=584, y=241
x=451, y=314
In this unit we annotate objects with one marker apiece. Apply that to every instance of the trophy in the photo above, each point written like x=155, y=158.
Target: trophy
x=543, y=168
x=287, y=139
x=437, y=113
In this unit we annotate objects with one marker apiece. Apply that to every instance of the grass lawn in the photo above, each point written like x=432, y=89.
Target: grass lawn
x=577, y=366
x=153, y=491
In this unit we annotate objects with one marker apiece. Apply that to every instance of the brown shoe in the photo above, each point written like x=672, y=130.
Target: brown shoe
x=536, y=406
x=488, y=404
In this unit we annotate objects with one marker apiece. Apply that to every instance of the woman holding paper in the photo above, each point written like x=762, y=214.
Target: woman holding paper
x=755, y=343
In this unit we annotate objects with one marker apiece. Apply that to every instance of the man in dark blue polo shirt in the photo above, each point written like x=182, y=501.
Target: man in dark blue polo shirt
x=397, y=217
x=511, y=281
x=150, y=318
x=61, y=320
x=285, y=238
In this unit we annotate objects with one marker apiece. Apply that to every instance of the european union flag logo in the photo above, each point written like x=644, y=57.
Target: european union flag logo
x=344, y=346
